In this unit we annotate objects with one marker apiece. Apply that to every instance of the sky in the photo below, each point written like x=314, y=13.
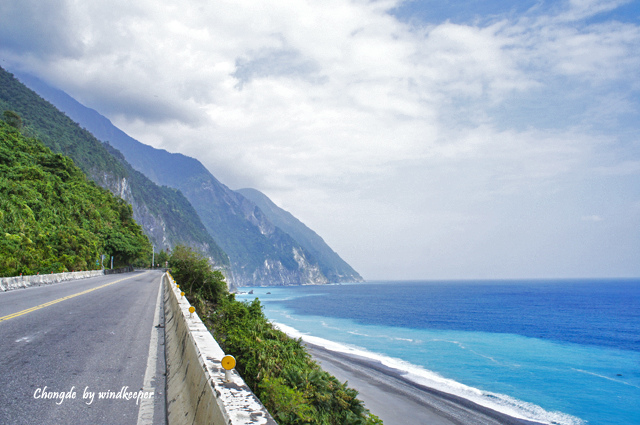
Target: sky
x=425, y=139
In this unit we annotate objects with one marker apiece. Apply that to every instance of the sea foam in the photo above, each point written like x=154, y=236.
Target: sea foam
x=499, y=402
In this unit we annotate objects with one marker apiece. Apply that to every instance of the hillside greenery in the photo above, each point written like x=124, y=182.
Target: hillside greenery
x=278, y=369
x=105, y=165
x=52, y=218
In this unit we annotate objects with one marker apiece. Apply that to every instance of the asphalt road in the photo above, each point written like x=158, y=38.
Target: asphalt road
x=87, y=336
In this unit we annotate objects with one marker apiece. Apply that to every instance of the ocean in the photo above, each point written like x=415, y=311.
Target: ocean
x=552, y=351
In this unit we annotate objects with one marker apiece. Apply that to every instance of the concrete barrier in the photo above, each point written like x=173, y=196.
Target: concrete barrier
x=10, y=283
x=197, y=392
x=128, y=269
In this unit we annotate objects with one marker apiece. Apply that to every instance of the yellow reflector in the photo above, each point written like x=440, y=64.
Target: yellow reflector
x=228, y=362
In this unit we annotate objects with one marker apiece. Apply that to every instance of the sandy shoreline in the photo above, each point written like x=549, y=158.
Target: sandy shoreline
x=398, y=401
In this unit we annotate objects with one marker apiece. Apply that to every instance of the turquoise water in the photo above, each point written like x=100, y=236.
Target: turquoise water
x=564, y=352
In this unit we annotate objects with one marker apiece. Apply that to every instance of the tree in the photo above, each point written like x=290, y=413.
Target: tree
x=162, y=257
x=13, y=119
x=52, y=218
x=290, y=384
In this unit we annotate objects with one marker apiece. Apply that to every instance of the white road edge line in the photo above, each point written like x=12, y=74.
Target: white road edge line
x=145, y=412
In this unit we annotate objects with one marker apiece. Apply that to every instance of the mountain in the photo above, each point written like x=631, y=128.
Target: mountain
x=260, y=252
x=164, y=213
x=52, y=218
x=331, y=265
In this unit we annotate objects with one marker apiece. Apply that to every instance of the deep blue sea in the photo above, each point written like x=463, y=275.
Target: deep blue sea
x=554, y=351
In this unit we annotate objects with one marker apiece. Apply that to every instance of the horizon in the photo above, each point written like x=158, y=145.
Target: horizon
x=421, y=140
x=635, y=279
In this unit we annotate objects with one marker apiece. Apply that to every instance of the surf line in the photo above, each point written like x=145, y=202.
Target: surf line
x=38, y=307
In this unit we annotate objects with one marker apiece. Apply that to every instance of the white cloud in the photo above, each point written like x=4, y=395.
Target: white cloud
x=337, y=109
x=581, y=9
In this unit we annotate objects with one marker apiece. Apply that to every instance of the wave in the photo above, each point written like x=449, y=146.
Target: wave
x=619, y=381
x=421, y=376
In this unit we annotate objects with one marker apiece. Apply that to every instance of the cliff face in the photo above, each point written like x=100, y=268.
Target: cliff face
x=260, y=253
x=331, y=264
x=154, y=225
x=166, y=215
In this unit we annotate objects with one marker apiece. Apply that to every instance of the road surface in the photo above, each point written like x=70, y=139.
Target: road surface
x=89, y=351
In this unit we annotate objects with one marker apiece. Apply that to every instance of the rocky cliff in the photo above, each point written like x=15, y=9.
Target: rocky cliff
x=331, y=264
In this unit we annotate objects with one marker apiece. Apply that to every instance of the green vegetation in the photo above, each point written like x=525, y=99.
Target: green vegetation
x=52, y=219
x=164, y=213
x=12, y=119
x=161, y=258
x=277, y=368
x=197, y=279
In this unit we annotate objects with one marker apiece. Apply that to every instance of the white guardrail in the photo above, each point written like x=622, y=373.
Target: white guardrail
x=17, y=282
x=198, y=389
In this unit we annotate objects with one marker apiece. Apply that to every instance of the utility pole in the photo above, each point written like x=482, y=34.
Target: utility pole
x=153, y=256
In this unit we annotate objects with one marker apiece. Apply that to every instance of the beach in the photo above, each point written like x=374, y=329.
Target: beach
x=399, y=401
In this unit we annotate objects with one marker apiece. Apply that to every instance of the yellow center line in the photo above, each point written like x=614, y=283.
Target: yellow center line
x=38, y=307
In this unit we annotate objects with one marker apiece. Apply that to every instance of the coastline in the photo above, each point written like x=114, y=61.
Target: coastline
x=398, y=400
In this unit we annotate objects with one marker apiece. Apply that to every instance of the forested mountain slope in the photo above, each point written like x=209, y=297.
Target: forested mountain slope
x=52, y=218
x=165, y=214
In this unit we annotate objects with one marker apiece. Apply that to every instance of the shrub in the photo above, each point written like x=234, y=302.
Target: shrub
x=278, y=369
